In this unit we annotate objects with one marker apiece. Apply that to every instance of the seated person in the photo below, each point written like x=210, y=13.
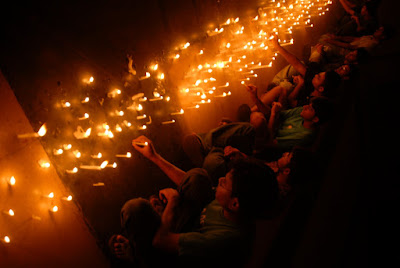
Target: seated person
x=360, y=21
x=337, y=46
x=298, y=126
x=204, y=149
x=221, y=236
x=311, y=81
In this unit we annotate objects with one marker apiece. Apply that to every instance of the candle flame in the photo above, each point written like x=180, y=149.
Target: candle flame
x=54, y=209
x=42, y=131
x=12, y=180
x=11, y=212
x=104, y=164
x=69, y=198
x=7, y=239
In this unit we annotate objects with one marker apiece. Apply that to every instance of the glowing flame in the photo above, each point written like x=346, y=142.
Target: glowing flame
x=7, y=239
x=104, y=164
x=11, y=212
x=12, y=180
x=54, y=209
x=42, y=131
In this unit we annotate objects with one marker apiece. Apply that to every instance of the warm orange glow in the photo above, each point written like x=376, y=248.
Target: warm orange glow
x=7, y=239
x=104, y=164
x=12, y=181
x=42, y=131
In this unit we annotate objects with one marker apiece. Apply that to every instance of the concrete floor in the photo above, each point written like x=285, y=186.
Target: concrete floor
x=51, y=47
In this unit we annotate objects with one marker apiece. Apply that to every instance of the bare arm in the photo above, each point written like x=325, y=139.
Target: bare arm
x=260, y=105
x=289, y=57
x=173, y=172
x=292, y=99
x=273, y=119
x=164, y=238
x=341, y=44
x=347, y=7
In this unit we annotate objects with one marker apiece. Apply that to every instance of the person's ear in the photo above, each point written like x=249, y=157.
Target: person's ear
x=315, y=119
x=321, y=89
x=234, y=204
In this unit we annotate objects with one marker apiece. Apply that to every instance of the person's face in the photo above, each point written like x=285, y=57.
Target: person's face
x=343, y=70
x=285, y=160
x=308, y=112
x=223, y=192
x=318, y=80
x=378, y=34
x=351, y=56
x=364, y=11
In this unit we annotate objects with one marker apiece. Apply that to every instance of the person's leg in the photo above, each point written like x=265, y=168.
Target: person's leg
x=140, y=222
x=215, y=164
x=194, y=149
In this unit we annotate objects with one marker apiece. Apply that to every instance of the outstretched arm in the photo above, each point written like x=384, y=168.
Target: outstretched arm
x=347, y=7
x=289, y=57
x=260, y=105
x=143, y=145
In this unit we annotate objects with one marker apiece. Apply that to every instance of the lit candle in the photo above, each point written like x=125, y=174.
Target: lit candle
x=85, y=100
x=118, y=128
x=180, y=112
x=50, y=195
x=6, y=239
x=99, y=155
x=119, y=113
x=140, y=143
x=98, y=184
x=42, y=131
x=168, y=122
x=143, y=127
x=85, y=116
x=34, y=217
x=127, y=155
x=67, y=198
x=77, y=154
x=145, y=77
x=54, y=209
x=141, y=117
x=58, y=151
x=11, y=181
x=226, y=85
x=72, y=171
x=9, y=212
x=155, y=67
x=66, y=104
x=44, y=164
x=67, y=146
x=114, y=165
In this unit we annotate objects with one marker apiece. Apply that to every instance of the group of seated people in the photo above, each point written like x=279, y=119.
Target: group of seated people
x=245, y=168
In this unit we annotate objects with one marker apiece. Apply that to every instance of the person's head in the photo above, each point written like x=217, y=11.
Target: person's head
x=369, y=9
x=383, y=33
x=318, y=111
x=325, y=83
x=289, y=161
x=356, y=56
x=248, y=190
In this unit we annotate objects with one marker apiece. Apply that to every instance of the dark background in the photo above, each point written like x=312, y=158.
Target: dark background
x=48, y=46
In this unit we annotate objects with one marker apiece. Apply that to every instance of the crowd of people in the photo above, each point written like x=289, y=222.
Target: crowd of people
x=245, y=169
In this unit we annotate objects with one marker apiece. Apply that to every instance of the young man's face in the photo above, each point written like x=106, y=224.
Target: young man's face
x=308, y=112
x=223, y=193
x=343, y=70
x=318, y=80
x=351, y=56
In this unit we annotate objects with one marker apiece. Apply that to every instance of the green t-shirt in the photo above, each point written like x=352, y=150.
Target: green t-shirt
x=217, y=239
x=291, y=131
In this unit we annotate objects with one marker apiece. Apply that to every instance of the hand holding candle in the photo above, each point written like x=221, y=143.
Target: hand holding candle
x=147, y=150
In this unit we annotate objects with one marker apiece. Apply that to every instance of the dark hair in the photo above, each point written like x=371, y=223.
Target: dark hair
x=362, y=55
x=331, y=83
x=243, y=113
x=256, y=187
x=323, y=108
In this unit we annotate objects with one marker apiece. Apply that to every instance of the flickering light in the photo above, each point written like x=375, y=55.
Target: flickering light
x=50, y=195
x=44, y=164
x=168, y=122
x=140, y=143
x=9, y=212
x=85, y=116
x=155, y=67
x=228, y=45
x=177, y=56
x=77, y=154
x=12, y=181
x=54, y=209
x=85, y=100
x=67, y=146
x=186, y=45
x=201, y=52
x=200, y=67
x=68, y=198
x=72, y=171
x=66, y=104
x=104, y=164
x=6, y=239
x=162, y=76
x=58, y=151
x=99, y=155
x=91, y=79
x=87, y=132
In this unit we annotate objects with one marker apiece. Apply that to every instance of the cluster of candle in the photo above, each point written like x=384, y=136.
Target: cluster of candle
x=242, y=51
x=52, y=208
